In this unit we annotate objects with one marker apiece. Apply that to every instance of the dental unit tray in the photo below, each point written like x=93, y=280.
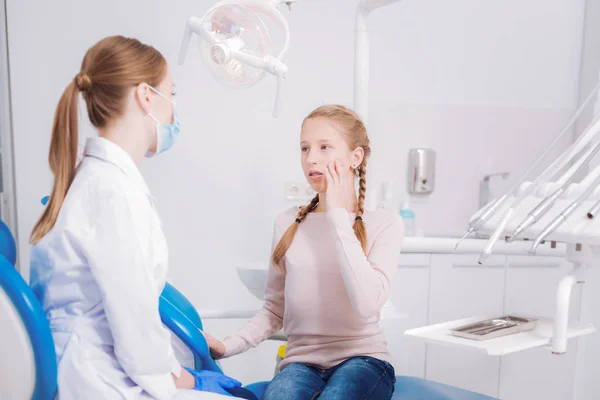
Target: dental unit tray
x=495, y=327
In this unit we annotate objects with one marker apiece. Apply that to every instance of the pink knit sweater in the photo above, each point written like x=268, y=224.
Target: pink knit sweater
x=329, y=299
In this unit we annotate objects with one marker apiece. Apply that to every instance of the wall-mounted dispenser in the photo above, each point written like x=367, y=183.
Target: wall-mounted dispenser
x=421, y=171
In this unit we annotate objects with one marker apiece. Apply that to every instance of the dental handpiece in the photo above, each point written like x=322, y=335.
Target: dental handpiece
x=467, y=233
x=558, y=164
x=594, y=210
x=499, y=230
x=551, y=227
x=562, y=217
x=542, y=208
x=478, y=222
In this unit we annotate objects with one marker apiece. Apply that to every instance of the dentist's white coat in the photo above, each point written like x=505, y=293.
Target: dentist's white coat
x=99, y=274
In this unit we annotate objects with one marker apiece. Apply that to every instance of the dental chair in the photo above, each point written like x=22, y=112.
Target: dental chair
x=28, y=367
x=180, y=316
x=28, y=362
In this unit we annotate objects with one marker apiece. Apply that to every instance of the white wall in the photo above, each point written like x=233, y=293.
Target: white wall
x=486, y=84
x=8, y=202
x=587, y=383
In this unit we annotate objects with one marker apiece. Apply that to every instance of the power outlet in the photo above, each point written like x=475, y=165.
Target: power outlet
x=298, y=191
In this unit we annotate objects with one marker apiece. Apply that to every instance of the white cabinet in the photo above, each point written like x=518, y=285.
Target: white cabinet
x=531, y=285
x=410, y=296
x=437, y=288
x=460, y=288
x=531, y=290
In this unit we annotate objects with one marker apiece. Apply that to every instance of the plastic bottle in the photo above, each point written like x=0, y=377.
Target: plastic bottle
x=408, y=215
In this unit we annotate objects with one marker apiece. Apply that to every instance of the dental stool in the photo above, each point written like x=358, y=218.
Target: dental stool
x=180, y=316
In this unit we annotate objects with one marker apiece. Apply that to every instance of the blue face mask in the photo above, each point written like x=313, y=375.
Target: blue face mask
x=166, y=134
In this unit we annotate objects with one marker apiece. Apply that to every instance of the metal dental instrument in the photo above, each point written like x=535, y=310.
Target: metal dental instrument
x=562, y=217
x=478, y=222
x=543, y=207
x=558, y=164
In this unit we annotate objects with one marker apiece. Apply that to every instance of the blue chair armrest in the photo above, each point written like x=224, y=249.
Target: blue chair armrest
x=180, y=302
x=177, y=313
x=258, y=388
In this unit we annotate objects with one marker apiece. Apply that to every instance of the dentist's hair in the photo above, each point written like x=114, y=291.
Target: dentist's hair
x=110, y=69
x=356, y=136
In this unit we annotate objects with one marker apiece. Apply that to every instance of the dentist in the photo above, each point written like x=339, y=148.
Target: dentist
x=99, y=258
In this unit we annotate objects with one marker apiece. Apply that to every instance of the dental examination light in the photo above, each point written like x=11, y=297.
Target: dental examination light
x=235, y=43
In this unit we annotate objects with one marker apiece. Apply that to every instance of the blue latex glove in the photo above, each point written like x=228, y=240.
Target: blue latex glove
x=210, y=381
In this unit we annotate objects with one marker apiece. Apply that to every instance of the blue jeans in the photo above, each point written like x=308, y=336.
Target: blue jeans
x=356, y=378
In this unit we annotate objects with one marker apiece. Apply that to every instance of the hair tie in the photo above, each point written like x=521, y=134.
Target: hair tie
x=83, y=82
x=358, y=218
x=298, y=220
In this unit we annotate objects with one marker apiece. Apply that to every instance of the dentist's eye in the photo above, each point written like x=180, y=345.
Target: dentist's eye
x=304, y=149
x=325, y=147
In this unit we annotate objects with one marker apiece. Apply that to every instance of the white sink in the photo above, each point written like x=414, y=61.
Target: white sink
x=254, y=277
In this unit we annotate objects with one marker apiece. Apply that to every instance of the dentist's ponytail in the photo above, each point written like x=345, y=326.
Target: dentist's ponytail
x=356, y=136
x=110, y=70
x=62, y=158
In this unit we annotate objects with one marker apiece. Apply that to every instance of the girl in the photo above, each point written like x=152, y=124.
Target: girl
x=330, y=274
x=99, y=257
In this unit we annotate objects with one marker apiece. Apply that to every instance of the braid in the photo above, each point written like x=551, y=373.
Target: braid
x=362, y=188
x=309, y=208
x=286, y=240
x=359, y=226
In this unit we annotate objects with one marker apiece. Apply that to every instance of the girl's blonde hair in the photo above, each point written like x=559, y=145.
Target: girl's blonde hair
x=356, y=136
x=109, y=70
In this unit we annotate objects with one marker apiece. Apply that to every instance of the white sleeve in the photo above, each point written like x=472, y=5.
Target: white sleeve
x=130, y=296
